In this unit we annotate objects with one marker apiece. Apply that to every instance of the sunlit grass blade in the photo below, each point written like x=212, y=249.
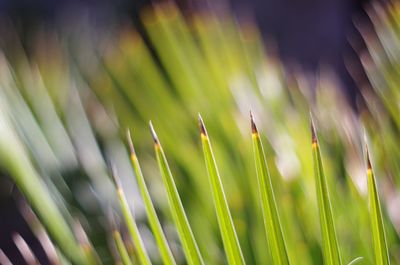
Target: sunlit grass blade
x=227, y=229
x=378, y=230
x=329, y=241
x=272, y=223
x=130, y=222
x=189, y=244
x=155, y=225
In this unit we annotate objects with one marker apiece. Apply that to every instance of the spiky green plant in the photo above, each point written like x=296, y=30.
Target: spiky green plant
x=63, y=117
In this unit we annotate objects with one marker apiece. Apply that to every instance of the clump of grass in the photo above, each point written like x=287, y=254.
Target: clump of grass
x=260, y=205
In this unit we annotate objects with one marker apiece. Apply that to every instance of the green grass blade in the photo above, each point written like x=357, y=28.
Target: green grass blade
x=189, y=244
x=130, y=223
x=228, y=233
x=272, y=223
x=329, y=241
x=378, y=231
x=155, y=225
x=123, y=253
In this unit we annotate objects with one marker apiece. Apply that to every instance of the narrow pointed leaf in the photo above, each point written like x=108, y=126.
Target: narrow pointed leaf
x=130, y=223
x=272, y=223
x=189, y=244
x=378, y=230
x=329, y=241
x=155, y=225
x=225, y=222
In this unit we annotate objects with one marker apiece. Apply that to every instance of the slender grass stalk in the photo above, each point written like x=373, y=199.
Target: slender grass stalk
x=329, y=241
x=377, y=228
x=155, y=225
x=130, y=222
x=273, y=227
x=123, y=253
x=189, y=244
x=227, y=229
x=119, y=243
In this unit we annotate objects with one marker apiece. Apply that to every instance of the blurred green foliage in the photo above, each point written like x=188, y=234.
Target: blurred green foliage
x=66, y=106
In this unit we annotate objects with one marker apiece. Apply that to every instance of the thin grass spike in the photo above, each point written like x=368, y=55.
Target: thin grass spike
x=253, y=125
x=201, y=125
x=189, y=243
x=130, y=221
x=153, y=133
x=271, y=220
x=155, y=225
x=377, y=227
x=329, y=240
x=225, y=222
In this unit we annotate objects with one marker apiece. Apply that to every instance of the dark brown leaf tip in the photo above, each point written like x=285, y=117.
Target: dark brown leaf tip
x=202, y=127
x=314, y=139
x=253, y=124
x=130, y=143
x=153, y=133
x=369, y=166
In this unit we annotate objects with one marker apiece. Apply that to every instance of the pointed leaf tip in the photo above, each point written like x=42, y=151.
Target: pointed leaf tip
x=202, y=127
x=130, y=143
x=369, y=166
x=153, y=133
x=314, y=138
x=253, y=124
